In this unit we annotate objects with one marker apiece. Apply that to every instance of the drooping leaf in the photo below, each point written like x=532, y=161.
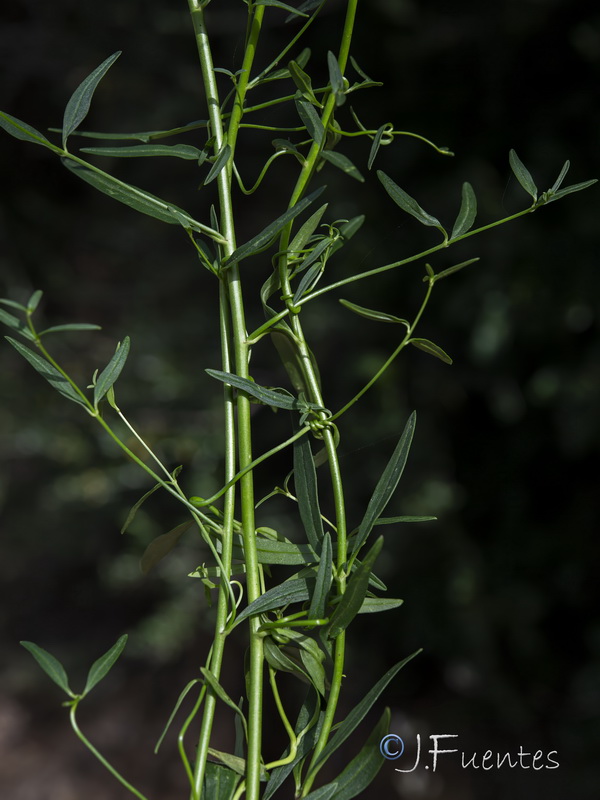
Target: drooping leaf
x=220, y=163
x=134, y=509
x=79, y=104
x=373, y=605
x=305, y=481
x=21, y=130
x=376, y=316
x=352, y=599
x=16, y=324
x=220, y=692
x=292, y=591
x=387, y=484
x=101, y=666
x=407, y=203
x=267, y=396
x=310, y=120
x=219, y=782
x=342, y=162
x=432, y=349
x=361, y=771
x=185, y=151
x=522, y=174
x=376, y=145
x=467, y=213
x=318, y=603
x=278, y=660
x=111, y=372
x=138, y=199
x=359, y=712
x=49, y=372
x=173, y=713
x=267, y=235
x=71, y=326
x=51, y=666
x=160, y=547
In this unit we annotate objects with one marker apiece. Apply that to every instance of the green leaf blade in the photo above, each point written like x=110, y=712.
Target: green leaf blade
x=220, y=163
x=467, y=213
x=159, y=548
x=111, y=372
x=16, y=324
x=318, y=602
x=184, y=151
x=71, y=326
x=49, y=372
x=407, y=203
x=431, y=348
x=51, y=666
x=343, y=163
x=361, y=771
x=375, y=316
x=387, y=484
x=26, y=133
x=355, y=593
x=522, y=174
x=104, y=664
x=305, y=481
x=310, y=120
x=292, y=591
x=79, y=103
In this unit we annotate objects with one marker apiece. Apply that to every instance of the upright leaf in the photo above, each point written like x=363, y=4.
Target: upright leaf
x=305, y=481
x=318, y=603
x=361, y=771
x=49, y=372
x=219, y=782
x=79, y=104
x=467, y=213
x=51, y=666
x=310, y=120
x=359, y=712
x=407, y=203
x=101, y=667
x=522, y=174
x=376, y=145
x=111, y=372
x=352, y=600
x=306, y=230
x=387, y=484
x=303, y=82
x=336, y=79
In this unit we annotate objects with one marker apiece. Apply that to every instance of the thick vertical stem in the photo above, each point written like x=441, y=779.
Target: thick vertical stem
x=233, y=291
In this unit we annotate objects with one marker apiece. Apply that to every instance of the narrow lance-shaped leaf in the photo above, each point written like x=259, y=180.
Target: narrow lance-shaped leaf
x=363, y=768
x=561, y=176
x=388, y=482
x=303, y=82
x=51, y=666
x=352, y=599
x=268, y=234
x=467, y=213
x=576, y=187
x=49, y=372
x=373, y=605
x=522, y=174
x=376, y=316
x=185, y=151
x=111, y=372
x=71, y=326
x=305, y=481
x=336, y=79
x=26, y=133
x=101, y=667
x=160, y=547
x=267, y=396
x=278, y=4
x=376, y=145
x=455, y=268
x=79, y=104
x=359, y=712
x=310, y=120
x=34, y=300
x=323, y=792
x=220, y=163
x=407, y=203
x=318, y=603
x=295, y=590
x=347, y=231
x=308, y=282
x=432, y=349
x=306, y=230
x=342, y=162
x=138, y=199
x=16, y=324
x=220, y=692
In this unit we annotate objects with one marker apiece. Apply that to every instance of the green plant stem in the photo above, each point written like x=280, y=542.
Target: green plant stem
x=240, y=357
x=99, y=756
x=390, y=360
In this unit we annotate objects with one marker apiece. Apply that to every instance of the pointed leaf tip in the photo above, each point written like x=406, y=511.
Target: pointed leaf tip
x=522, y=174
x=101, y=666
x=79, y=103
x=51, y=666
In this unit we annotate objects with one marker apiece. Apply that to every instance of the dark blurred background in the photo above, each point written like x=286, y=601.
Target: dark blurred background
x=501, y=591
